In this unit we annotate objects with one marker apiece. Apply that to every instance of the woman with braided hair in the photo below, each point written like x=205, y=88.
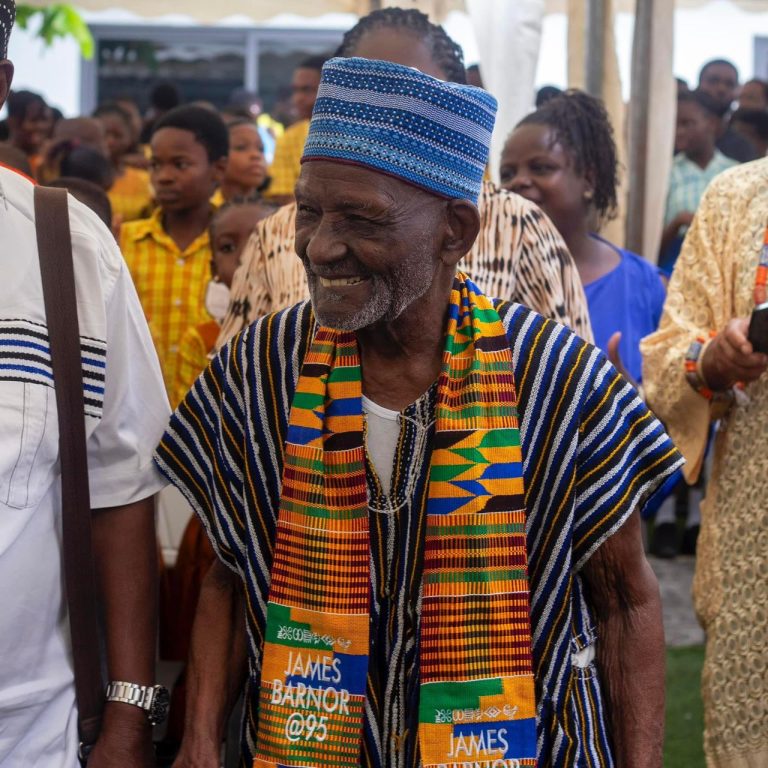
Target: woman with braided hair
x=563, y=158
x=389, y=25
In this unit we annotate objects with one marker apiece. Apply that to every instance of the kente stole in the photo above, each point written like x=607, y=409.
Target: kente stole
x=477, y=704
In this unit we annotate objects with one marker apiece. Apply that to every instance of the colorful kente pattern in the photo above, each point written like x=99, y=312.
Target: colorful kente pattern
x=477, y=700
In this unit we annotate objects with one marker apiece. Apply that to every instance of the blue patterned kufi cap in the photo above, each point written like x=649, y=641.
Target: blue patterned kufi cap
x=7, y=17
x=399, y=121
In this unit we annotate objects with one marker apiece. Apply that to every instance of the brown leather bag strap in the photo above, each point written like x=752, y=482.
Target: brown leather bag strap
x=54, y=244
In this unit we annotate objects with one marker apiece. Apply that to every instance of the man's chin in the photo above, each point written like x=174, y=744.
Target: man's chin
x=341, y=322
x=335, y=316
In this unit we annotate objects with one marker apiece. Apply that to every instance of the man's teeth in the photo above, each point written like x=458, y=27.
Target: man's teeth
x=328, y=283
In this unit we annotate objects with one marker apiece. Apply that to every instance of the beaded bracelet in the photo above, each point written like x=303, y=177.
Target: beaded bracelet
x=692, y=371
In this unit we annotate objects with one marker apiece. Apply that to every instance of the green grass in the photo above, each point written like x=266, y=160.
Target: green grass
x=685, y=719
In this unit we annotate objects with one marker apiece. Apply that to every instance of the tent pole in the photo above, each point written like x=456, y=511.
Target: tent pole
x=595, y=47
x=638, y=125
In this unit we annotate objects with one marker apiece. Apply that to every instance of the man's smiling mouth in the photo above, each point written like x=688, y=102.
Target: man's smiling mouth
x=328, y=282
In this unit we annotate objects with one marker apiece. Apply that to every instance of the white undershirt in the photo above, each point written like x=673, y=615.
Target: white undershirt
x=382, y=436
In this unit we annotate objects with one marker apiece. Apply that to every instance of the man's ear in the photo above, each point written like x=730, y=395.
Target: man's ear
x=6, y=76
x=462, y=228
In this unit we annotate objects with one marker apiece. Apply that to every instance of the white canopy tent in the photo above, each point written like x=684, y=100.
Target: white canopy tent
x=263, y=10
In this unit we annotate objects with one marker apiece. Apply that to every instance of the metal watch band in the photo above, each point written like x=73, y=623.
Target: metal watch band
x=130, y=693
x=153, y=699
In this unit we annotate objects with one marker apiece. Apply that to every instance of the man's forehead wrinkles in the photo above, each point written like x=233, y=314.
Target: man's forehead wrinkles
x=369, y=202
x=353, y=206
x=337, y=196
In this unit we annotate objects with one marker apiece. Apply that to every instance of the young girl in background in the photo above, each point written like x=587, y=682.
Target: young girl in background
x=246, y=172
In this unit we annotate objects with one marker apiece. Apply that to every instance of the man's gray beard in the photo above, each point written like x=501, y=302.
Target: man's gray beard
x=367, y=315
x=390, y=299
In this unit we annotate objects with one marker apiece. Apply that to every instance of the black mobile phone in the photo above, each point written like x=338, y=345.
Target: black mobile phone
x=758, y=328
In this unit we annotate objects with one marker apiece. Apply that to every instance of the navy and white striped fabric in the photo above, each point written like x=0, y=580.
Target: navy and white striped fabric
x=25, y=355
x=399, y=121
x=592, y=452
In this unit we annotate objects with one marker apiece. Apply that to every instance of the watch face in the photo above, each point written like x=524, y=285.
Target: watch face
x=158, y=711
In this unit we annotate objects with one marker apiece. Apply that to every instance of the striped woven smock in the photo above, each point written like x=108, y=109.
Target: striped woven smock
x=224, y=450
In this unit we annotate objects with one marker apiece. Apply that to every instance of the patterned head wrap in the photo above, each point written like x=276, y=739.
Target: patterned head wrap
x=401, y=122
x=7, y=17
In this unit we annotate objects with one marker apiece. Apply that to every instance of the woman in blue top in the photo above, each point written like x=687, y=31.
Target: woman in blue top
x=563, y=158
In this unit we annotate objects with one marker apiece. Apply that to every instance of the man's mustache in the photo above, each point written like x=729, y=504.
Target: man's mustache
x=344, y=268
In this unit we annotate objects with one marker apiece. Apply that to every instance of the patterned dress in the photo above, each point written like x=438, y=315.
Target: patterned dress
x=713, y=282
x=518, y=256
x=591, y=452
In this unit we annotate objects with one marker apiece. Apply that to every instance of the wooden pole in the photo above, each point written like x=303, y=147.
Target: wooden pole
x=595, y=40
x=637, y=166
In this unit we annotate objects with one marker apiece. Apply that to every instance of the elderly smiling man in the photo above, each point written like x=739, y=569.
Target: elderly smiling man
x=429, y=496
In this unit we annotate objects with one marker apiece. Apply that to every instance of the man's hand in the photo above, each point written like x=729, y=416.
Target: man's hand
x=729, y=357
x=125, y=740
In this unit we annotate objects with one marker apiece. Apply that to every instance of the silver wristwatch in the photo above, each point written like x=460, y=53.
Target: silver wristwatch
x=153, y=699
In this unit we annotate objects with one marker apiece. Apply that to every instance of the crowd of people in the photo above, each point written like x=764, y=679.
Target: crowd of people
x=421, y=419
